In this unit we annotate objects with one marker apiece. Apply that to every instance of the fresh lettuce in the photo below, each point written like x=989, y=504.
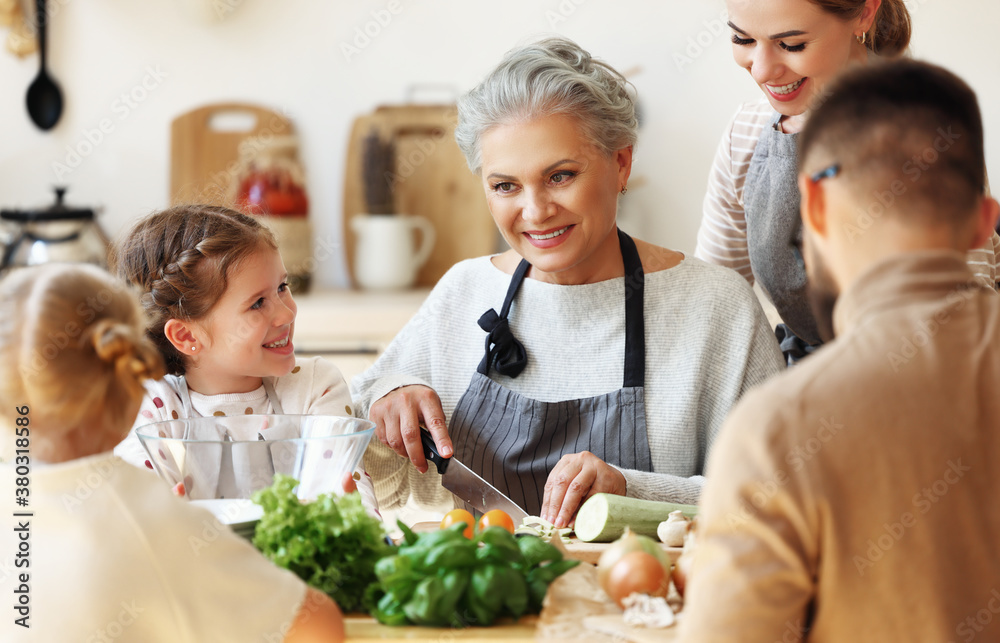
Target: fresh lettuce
x=331, y=543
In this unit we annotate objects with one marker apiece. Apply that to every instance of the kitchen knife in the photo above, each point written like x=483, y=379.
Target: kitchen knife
x=469, y=487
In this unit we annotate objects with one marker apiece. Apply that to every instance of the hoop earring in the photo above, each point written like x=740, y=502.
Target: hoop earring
x=862, y=38
x=624, y=189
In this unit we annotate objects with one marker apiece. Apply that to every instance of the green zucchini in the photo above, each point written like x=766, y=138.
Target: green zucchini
x=603, y=517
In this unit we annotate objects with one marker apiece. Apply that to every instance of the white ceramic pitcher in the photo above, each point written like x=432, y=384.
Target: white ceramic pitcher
x=385, y=256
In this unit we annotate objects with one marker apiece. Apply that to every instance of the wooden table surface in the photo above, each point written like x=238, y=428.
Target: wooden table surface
x=365, y=629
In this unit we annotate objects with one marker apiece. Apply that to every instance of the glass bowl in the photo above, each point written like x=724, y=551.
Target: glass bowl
x=232, y=457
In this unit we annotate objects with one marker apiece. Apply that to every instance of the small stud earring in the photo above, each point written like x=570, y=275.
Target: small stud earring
x=194, y=348
x=624, y=189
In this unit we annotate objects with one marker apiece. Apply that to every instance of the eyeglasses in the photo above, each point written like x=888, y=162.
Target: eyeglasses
x=828, y=173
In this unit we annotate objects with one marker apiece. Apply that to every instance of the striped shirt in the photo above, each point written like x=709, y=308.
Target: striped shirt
x=722, y=237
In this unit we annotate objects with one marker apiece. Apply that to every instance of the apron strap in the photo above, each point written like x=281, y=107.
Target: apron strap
x=635, y=328
x=272, y=397
x=507, y=355
x=503, y=351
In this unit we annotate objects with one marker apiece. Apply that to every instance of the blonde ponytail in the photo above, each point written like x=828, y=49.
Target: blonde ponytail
x=133, y=358
x=73, y=349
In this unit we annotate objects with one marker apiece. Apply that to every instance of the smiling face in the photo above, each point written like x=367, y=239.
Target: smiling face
x=792, y=48
x=248, y=334
x=554, y=197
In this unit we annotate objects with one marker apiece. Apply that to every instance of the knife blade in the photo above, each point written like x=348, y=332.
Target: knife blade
x=467, y=485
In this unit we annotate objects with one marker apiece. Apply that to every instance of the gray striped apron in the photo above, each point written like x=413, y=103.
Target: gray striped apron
x=513, y=441
x=771, y=203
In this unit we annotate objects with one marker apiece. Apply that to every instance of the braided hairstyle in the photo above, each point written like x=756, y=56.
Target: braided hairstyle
x=181, y=258
x=73, y=350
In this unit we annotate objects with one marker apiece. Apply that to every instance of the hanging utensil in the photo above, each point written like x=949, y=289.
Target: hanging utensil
x=45, y=100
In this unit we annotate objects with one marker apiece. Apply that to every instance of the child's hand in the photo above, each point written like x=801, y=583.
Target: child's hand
x=349, y=484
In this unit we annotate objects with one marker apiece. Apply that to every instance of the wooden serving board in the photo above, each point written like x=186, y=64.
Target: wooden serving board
x=431, y=179
x=204, y=159
x=591, y=552
x=614, y=625
x=365, y=629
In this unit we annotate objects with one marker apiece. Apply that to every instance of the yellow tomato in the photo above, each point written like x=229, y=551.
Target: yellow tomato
x=496, y=518
x=459, y=515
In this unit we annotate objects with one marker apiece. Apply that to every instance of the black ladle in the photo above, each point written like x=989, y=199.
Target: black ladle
x=45, y=100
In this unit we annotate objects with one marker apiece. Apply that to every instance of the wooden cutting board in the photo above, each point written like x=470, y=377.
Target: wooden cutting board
x=365, y=629
x=591, y=552
x=204, y=154
x=431, y=179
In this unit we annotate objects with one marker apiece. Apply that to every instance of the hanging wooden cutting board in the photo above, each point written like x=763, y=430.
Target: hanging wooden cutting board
x=204, y=157
x=431, y=180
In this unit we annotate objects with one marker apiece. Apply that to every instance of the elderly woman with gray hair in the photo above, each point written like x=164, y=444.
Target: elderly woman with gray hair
x=579, y=361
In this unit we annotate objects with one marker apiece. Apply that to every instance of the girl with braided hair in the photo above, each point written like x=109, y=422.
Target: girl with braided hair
x=106, y=548
x=215, y=293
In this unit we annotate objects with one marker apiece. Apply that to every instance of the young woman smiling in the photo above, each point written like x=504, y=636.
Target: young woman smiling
x=792, y=50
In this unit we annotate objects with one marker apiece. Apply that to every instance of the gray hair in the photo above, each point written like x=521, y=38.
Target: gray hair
x=553, y=76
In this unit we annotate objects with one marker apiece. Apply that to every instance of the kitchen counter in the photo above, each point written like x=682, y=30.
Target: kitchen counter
x=352, y=320
x=365, y=629
x=352, y=327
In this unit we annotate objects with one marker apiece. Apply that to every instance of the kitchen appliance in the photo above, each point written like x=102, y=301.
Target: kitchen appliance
x=467, y=485
x=232, y=457
x=387, y=257
x=59, y=233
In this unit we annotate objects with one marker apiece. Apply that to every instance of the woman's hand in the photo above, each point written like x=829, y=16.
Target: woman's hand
x=575, y=478
x=398, y=417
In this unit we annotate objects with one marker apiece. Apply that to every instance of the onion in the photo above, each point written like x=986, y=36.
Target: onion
x=629, y=542
x=683, y=566
x=636, y=573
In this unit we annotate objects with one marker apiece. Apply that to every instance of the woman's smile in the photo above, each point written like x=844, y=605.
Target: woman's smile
x=786, y=92
x=550, y=238
x=554, y=197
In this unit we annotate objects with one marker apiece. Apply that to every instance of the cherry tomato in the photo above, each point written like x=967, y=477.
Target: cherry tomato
x=459, y=515
x=496, y=518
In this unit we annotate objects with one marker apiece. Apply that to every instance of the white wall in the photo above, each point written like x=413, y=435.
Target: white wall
x=288, y=55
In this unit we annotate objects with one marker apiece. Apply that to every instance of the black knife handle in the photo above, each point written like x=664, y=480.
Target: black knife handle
x=431, y=452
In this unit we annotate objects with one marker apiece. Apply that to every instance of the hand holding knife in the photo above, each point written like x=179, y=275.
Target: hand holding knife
x=469, y=487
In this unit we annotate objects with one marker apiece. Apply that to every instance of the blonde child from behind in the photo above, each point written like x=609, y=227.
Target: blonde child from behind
x=109, y=550
x=220, y=312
